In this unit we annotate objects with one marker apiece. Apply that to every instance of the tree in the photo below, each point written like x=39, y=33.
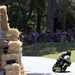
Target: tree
x=51, y=14
x=63, y=11
x=39, y=7
x=21, y=11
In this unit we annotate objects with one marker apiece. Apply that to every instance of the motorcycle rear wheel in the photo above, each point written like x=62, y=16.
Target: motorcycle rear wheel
x=56, y=68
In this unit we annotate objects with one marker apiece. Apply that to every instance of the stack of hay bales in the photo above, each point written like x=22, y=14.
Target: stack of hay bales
x=11, y=55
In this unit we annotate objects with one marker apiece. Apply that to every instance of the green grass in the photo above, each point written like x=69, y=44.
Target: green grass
x=50, y=50
x=55, y=56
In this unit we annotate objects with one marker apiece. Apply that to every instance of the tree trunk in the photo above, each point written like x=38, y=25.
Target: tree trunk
x=51, y=14
x=38, y=29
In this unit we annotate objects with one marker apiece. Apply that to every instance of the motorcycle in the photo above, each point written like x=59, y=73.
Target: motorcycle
x=61, y=65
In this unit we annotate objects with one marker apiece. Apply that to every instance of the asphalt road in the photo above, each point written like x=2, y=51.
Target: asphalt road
x=43, y=66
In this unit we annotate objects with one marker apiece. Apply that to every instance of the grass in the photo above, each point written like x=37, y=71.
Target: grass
x=50, y=50
x=55, y=56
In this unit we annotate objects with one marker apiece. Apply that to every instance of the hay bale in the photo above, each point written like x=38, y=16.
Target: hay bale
x=10, y=57
x=23, y=72
x=4, y=18
x=13, y=69
x=18, y=50
x=15, y=47
x=12, y=34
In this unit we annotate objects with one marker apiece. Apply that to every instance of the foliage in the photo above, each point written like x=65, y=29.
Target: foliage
x=55, y=56
x=34, y=15
x=64, y=14
x=21, y=11
x=47, y=48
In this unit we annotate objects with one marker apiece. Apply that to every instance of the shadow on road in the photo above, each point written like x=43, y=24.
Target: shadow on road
x=64, y=72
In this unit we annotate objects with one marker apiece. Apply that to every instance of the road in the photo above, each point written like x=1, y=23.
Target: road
x=43, y=66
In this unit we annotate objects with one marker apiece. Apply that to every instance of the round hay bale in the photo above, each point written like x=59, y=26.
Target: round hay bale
x=12, y=34
x=13, y=69
x=15, y=46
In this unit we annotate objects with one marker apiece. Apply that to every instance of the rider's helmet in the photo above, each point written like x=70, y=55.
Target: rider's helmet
x=69, y=52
